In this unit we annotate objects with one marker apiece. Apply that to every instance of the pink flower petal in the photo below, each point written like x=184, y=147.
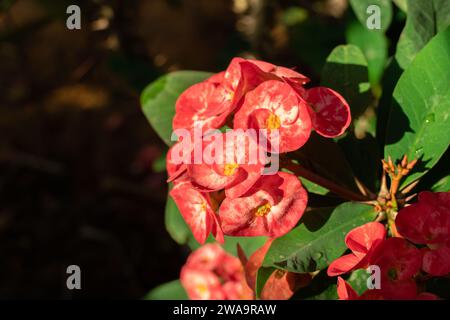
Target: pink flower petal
x=330, y=112
x=257, y=214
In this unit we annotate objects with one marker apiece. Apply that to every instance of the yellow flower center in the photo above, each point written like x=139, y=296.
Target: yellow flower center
x=229, y=96
x=203, y=206
x=201, y=288
x=273, y=122
x=263, y=210
x=230, y=169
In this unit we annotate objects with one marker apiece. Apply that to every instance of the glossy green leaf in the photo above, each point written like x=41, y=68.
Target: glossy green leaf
x=358, y=280
x=419, y=121
x=158, y=99
x=402, y=4
x=442, y=185
x=248, y=244
x=424, y=20
x=373, y=44
x=312, y=187
x=346, y=71
x=360, y=8
x=319, y=239
x=172, y=290
x=322, y=287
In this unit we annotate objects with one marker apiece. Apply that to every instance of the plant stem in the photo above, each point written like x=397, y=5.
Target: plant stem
x=344, y=193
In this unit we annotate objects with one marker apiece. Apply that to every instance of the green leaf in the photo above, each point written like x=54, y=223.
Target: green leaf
x=419, y=122
x=442, y=185
x=358, y=280
x=436, y=179
x=346, y=72
x=330, y=293
x=373, y=44
x=172, y=290
x=312, y=187
x=248, y=244
x=159, y=165
x=322, y=287
x=158, y=99
x=360, y=9
x=402, y=4
x=319, y=239
x=424, y=20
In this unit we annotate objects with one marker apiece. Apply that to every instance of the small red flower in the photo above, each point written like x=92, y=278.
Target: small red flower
x=362, y=241
x=271, y=208
x=207, y=257
x=174, y=169
x=210, y=274
x=285, y=74
x=275, y=105
x=346, y=292
x=399, y=261
x=230, y=166
x=205, y=105
x=329, y=111
x=197, y=210
x=428, y=222
x=244, y=75
x=201, y=284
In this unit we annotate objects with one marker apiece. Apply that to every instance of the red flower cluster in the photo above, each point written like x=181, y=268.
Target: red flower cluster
x=427, y=222
x=399, y=262
x=212, y=274
x=233, y=197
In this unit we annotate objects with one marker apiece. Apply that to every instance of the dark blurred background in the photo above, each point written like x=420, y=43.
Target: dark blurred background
x=81, y=171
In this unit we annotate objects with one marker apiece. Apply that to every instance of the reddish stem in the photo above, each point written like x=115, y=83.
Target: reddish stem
x=344, y=193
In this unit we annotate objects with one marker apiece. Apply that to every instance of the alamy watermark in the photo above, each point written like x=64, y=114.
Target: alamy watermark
x=74, y=279
x=374, y=280
x=73, y=21
x=373, y=21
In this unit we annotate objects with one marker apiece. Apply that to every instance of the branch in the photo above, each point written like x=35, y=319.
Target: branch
x=344, y=193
